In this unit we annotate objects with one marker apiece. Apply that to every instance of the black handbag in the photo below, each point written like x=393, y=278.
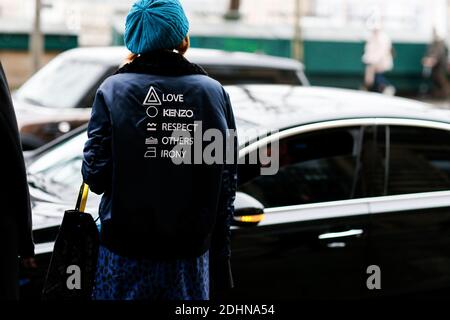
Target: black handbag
x=73, y=264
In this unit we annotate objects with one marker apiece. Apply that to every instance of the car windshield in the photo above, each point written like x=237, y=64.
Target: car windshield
x=62, y=83
x=58, y=171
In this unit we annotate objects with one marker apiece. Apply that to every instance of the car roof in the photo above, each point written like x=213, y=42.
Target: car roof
x=115, y=56
x=278, y=107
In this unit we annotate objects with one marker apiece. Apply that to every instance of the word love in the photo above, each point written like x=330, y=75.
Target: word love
x=170, y=97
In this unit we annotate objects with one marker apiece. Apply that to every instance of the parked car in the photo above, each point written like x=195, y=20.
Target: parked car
x=58, y=98
x=363, y=180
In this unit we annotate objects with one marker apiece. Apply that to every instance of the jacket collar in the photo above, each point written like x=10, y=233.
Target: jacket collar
x=162, y=62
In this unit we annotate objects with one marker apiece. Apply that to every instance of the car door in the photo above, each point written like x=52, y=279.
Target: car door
x=312, y=241
x=410, y=224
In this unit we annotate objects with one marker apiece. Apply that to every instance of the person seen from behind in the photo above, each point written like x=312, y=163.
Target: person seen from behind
x=165, y=225
x=378, y=59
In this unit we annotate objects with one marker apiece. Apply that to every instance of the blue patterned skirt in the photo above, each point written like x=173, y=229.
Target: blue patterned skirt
x=120, y=278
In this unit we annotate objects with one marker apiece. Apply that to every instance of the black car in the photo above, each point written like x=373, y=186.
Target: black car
x=363, y=183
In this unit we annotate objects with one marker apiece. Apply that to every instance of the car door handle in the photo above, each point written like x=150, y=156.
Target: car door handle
x=342, y=234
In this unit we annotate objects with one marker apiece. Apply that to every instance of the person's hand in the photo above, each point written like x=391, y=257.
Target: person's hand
x=29, y=262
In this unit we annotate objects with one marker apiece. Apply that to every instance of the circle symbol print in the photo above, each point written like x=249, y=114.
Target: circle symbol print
x=152, y=112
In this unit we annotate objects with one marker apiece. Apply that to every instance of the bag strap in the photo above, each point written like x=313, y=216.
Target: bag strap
x=82, y=198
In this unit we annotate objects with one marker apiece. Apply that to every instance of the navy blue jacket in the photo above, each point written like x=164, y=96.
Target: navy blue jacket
x=153, y=207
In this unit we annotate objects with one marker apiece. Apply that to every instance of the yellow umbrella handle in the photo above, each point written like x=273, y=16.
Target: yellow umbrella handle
x=82, y=198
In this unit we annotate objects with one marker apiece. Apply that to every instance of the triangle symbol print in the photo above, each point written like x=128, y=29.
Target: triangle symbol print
x=152, y=98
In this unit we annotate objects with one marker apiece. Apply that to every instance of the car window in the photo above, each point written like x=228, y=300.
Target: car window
x=314, y=167
x=58, y=171
x=62, y=83
x=373, y=158
x=419, y=160
x=88, y=100
x=245, y=75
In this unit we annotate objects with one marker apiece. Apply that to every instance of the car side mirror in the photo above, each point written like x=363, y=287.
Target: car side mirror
x=247, y=210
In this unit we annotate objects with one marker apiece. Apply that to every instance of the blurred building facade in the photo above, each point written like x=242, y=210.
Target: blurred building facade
x=16, y=21
x=332, y=31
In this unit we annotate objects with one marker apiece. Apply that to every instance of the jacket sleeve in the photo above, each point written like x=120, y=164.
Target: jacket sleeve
x=97, y=161
x=220, y=267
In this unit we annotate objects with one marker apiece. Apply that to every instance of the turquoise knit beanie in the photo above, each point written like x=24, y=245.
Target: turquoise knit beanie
x=155, y=24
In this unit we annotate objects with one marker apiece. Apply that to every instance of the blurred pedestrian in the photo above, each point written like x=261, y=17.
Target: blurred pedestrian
x=15, y=212
x=435, y=66
x=165, y=227
x=378, y=58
